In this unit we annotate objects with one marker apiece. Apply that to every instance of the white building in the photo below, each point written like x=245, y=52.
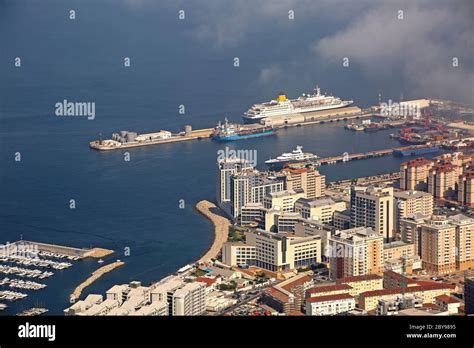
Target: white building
x=190, y=299
x=329, y=304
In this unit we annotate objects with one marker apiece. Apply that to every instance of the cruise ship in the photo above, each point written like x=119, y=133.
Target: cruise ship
x=287, y=107
x=294, y=156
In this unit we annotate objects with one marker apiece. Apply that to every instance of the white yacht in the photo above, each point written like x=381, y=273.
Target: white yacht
x=294, y=156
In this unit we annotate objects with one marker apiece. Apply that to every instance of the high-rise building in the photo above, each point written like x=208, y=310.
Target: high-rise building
x=226, y=168
x=410, y=230
x=469, y=292
x=414, y=174
x=309, y=179
x=251, y=186
x=466, y=189
x=408, y=203
x=438, y=245
x=443, y=180
x=354, y=252
x=372, y=206
x=464, y=241
x=190, y=299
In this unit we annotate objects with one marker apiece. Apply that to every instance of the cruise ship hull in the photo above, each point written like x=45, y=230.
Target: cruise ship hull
x=257, y=119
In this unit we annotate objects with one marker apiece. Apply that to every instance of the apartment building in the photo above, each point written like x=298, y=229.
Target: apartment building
x=427, y=292
x=238, y=254
x=410, y=230
x=226, y=168
x=438, y=240
x=372, y=206
x=414, y=174
x=309, y=179
x=409, y=203
x=354, y=252
x=466, y=189
x=190, y=299
x=321, y=209
x=443, y=181
x=396, y=250
x=251, y=186
x=330, y=304
x=283, y=252
x=360, y=284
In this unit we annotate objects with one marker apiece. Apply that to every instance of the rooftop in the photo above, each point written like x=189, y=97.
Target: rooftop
x=329, y=298
x=358, y=278
x=328, y=288
x=395, y=291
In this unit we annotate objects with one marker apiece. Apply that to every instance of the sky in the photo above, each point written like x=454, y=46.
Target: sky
x=425, y=44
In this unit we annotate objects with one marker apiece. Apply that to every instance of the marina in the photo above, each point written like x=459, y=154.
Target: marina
x=12, y=295
x=22, y=284
x=33, y=312
x=27, y=259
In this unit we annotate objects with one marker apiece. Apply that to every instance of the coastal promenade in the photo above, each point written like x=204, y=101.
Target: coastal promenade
x=95, y=275
x=221, y=228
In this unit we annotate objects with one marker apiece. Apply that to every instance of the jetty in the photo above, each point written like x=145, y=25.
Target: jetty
x=95, y=275
x=221, y=229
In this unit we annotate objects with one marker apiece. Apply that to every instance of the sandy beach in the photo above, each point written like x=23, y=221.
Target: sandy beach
x=221, y=229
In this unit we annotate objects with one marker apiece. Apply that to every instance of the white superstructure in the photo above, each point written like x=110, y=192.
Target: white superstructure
x=296, y=155
x=284, y=106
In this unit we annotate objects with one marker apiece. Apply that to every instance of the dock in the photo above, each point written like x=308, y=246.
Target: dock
x=364, y=155
x=56, y=251
x=120, y=142
x=109, y=144
x=354, y=156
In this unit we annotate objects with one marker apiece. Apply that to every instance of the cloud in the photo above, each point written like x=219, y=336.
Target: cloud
x=270, y=74
x=418, y=48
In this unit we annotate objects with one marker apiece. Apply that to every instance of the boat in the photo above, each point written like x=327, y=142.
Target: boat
x=374, y=127
x=415, y=150
x=295, y=156
x=100, y=261
x=231, y=131
x=287, y=107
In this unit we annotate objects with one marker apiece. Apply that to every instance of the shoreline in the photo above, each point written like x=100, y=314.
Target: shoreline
x=221, y=229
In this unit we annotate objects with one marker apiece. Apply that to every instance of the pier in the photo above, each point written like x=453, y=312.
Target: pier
x=107, y=145
x=355, y=156
x=221, y=229
x=297, y=120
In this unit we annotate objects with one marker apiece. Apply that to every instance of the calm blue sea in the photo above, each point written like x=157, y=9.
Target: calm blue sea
x=135, y=204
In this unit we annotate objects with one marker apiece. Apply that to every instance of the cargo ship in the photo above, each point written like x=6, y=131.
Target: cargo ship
x=287, y=107
x=295, y=156
x=230, y=131
x=415, y=150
